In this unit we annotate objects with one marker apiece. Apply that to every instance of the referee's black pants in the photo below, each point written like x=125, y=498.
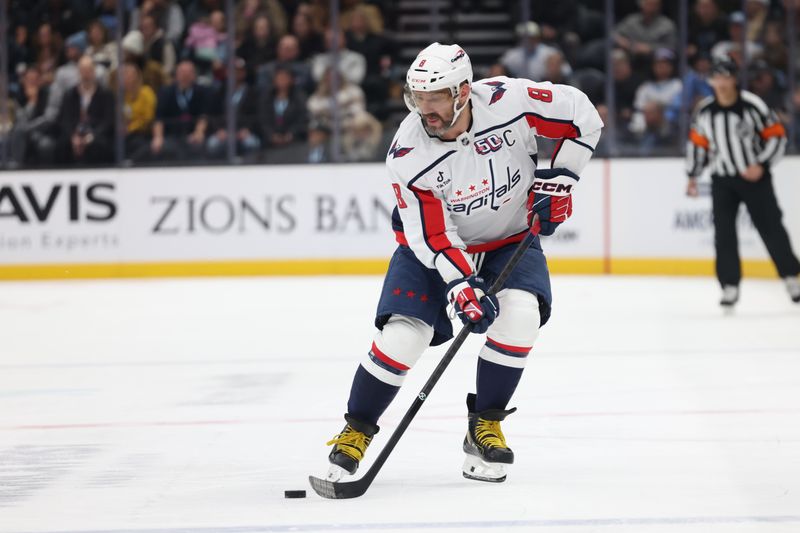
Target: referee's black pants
x=759, y=198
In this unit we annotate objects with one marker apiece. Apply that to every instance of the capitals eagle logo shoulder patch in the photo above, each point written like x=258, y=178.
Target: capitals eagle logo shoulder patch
x=398, y=151
x=497, y=90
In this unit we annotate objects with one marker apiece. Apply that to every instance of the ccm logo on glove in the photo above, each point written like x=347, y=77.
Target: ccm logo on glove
x=552, y=188
x=550, y=199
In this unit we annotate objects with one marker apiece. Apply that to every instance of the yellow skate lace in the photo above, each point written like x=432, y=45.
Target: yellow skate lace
x=352, y=443
x=489, y=434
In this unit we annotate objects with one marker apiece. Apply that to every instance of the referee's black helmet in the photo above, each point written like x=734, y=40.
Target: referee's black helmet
x=725, y=66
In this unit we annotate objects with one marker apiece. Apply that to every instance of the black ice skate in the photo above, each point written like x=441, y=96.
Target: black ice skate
x=730, y=295
x=349, y=447
x=485, y=446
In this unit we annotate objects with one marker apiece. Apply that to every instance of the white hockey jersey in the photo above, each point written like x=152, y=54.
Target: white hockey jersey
x=467, y=196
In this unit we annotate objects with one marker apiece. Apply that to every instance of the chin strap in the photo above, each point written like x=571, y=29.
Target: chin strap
x=457, y=110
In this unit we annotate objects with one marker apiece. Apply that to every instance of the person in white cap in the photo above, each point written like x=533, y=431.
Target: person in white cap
x=529, y=59
x=133, y=51
x=463, y=167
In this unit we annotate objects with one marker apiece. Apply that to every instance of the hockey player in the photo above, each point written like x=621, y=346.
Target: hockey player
x=463, y=169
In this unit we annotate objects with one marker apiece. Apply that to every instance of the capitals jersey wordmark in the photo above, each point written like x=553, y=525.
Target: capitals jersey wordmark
x=492, y=193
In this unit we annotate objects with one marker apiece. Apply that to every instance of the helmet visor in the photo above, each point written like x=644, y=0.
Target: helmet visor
x=427, y=101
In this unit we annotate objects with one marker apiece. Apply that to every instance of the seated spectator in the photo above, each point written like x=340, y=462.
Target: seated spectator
x=775, y=46
x=247, y=10
x=47, y=51
x=259, y=45
x=104, y=10
x=658, y=136
x=139, y=110
x=373, y=19
x=707, y=26
x=195, y=10
x=288, y=57
x=377, y=52
x=349, y=101
x=66, y=77
x=284, y=117
x=133, y=52
x=556, y=70
x=352, y=64
x=168, y=15
x=157, y=47
x=641, y=33
x=86, y=120
x=626, y=83
x=361, y=138
x=32, y=97
x=529, y=59
x=695, y=88
x=8, y=118
x=732, y=47
x=206, y=45
x=102, y=52
x=20, y=55
x=26, y=142
x=317, y=12
x=181, y=118
x=246, y=109
x=311, y=41
x=764, y=82
x=662, y=89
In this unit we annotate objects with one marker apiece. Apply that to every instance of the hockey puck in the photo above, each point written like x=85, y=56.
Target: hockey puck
x=294, y=494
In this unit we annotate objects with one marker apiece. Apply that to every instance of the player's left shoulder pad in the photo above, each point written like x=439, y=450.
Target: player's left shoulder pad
x=411, y=151
x=495, y=93
x=405, y=141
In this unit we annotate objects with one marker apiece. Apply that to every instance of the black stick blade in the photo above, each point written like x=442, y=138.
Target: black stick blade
x=338, y=491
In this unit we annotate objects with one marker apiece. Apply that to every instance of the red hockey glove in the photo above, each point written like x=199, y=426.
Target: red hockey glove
x=472, y=304
x=550, y=199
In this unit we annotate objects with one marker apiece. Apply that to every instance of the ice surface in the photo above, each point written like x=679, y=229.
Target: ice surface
x=191, y=405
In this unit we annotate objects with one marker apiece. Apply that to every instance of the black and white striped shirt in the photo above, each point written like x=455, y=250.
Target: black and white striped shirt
x=730, y=139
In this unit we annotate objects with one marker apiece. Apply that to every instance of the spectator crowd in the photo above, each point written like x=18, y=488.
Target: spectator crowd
x=64, y=71
x=568, y=44
x=295, y=78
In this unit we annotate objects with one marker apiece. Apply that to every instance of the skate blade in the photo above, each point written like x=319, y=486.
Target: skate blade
x=335, y=473
x=479, y=470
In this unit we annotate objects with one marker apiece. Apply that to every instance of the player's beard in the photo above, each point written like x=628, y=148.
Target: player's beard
x=442, y=126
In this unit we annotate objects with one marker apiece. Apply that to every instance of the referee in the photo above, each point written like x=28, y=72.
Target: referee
x=741, y=139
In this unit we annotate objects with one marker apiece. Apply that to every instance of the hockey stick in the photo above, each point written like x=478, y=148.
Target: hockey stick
x=353, y=489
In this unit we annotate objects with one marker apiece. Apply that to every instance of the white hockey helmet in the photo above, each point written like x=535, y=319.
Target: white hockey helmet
x=437, y=67
x=440, y=66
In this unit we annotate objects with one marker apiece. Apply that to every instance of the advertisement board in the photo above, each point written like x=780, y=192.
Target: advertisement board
x=203, y=214
x=629, y=216
x=654, y=225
